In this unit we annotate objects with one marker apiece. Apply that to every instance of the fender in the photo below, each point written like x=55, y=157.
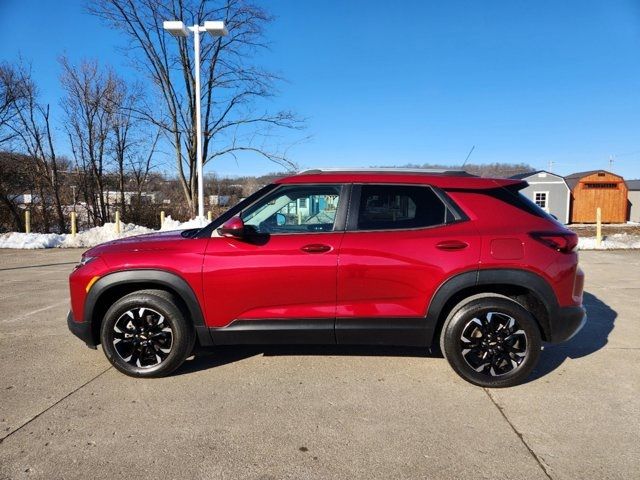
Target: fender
x=498, y=276
x=150, y=277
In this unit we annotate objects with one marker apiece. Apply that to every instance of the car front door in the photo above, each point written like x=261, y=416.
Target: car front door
x=401, y=242
x=277, y=284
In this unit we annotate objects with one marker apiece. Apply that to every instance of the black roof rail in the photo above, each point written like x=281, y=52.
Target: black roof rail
x=390, y=170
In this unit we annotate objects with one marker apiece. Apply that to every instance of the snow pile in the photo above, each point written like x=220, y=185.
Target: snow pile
x=88, y=238
x=610, y=242
x=85, y=239
x=29, y=240
x=171, y=224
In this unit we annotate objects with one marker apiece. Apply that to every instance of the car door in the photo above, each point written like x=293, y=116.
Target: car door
x=278, y=284
x=401, y=242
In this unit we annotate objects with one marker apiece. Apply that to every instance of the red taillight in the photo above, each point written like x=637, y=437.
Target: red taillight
x=561, y=242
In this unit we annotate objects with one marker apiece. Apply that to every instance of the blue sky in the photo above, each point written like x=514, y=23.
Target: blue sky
x=420, y=82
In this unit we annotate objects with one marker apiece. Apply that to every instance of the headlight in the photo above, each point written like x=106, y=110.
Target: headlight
x=84, y=261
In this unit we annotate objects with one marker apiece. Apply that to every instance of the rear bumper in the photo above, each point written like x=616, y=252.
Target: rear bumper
x=566, y=323
x=82, y=330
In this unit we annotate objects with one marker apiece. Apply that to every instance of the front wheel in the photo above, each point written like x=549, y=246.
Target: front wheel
x=491, y=341
x=145, y=334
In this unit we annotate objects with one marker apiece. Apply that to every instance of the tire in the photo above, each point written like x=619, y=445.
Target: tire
x=491, y=341
x=146, y=334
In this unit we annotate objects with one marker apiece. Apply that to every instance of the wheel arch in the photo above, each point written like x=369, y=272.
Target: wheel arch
x=117, y=284
x=527, y=288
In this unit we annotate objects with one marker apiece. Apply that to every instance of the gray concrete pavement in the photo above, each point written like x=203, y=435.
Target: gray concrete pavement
x=313, y=412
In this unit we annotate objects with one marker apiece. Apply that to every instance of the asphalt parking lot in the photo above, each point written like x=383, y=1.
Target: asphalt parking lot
x=313, y=412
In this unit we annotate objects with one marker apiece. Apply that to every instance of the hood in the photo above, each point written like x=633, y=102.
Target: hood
x=147, y=241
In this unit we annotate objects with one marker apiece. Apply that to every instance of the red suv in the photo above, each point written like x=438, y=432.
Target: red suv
x=378, y=257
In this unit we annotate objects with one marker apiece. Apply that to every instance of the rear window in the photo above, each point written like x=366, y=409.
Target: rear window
x=510, y=195
x=514, y=197
x=387, y=207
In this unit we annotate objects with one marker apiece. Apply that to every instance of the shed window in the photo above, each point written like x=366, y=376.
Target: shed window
x=540, y=199
x=601, y=185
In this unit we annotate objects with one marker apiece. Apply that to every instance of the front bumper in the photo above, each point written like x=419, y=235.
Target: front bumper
x=566, y=323
x=82, y=330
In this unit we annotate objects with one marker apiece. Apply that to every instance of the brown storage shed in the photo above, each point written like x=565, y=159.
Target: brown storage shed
x=597, y=188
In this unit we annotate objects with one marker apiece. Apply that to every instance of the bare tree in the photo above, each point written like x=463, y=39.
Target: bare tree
x=140, y=166
x=31, y=125
x=89, y=105
x=125, y=101
x=15, y=179
x=231, y=86
x=12, y=92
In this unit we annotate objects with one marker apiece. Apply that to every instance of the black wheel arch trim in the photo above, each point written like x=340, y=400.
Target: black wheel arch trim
x=497, y=276
x=149, y=277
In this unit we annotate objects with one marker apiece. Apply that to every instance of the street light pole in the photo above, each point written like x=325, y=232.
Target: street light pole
x=178, y=29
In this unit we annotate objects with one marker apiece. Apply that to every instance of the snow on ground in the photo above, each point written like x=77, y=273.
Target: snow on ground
x=84, y=239
x=97, y=235
x=616, y=241
x=171, y=224
x=87, y=238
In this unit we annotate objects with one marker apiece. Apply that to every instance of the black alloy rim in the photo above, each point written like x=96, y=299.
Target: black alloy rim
x=142, y=337
x=493, y=344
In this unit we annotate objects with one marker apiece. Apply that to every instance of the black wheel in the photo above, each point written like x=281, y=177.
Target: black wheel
x=491, y=341
x=145, y=334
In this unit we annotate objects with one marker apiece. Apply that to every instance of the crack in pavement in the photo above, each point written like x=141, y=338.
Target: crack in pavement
x=38, y=266
x=54, y=404
x=515, y=430
x=27, y=315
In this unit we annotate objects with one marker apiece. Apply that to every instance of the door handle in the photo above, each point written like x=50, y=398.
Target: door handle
x=316, y=248
x=452, y=245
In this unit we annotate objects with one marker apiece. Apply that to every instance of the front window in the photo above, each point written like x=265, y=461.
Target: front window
x=295, y=209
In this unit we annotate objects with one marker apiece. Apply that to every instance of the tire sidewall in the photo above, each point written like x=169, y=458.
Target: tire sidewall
x=182, y=333
x=456, y=323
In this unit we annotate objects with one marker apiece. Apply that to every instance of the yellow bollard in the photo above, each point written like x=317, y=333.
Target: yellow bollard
x=27, y=221
x=209, y=215
x=73, y=224
x=161, y=218
x=117, y=221
x=598, y=227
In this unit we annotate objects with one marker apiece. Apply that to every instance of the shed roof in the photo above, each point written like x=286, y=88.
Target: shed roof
x=633, y=184
x=573, y=179
x=521, y=176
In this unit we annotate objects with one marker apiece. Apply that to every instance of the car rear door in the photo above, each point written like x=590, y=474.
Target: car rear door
x=401, y=243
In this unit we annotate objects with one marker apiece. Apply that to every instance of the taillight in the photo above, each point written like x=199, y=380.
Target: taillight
x=561, y=242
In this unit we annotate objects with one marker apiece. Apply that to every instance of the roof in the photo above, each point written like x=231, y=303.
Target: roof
x=526, y=174
x=439, y=178
x=633, y=184
x=521, y=176
x=573, y=179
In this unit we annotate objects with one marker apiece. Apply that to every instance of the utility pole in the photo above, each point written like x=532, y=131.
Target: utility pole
x=550, y=165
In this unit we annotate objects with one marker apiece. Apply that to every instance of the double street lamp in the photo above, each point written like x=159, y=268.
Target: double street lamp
x=178, y=29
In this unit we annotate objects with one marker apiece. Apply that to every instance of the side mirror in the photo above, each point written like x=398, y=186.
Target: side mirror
x=281, y=220
x=234, y=227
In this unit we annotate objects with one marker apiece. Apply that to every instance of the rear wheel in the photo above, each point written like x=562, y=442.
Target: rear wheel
x=491, y=341
x=145, y=334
